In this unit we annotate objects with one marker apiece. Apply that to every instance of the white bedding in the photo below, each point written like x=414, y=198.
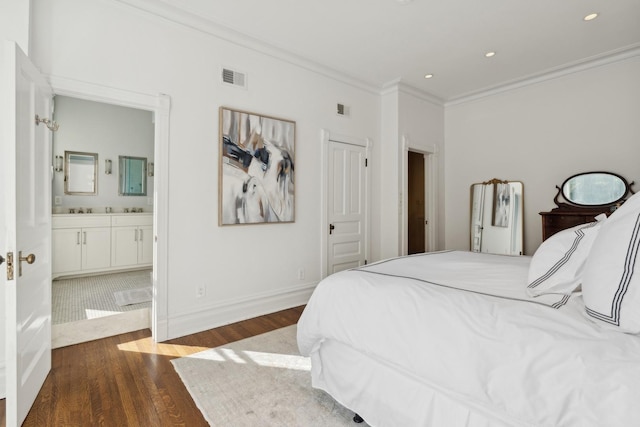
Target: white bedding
x=459, y=326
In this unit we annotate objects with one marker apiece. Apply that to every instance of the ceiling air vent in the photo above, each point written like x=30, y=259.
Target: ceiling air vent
x=342, y=110
x=234, y=78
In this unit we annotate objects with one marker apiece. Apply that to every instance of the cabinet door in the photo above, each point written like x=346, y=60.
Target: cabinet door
x=124, y=246
x=96, y=248
x=145, y=244
x=66, y=250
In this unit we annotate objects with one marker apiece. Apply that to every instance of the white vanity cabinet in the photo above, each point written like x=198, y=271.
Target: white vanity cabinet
x=80, y=244
x=131, y=240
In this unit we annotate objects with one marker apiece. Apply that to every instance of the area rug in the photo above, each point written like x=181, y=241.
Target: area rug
x=133, y=296
x=259, y=381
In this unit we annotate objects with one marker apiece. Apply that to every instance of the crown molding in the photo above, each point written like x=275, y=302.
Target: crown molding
x=201, y=24
x=554, y=73
x=398, y=85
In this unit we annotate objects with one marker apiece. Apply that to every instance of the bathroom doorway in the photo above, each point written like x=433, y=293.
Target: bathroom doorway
x=84, y=289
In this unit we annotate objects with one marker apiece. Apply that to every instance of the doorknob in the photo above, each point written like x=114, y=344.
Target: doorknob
x=1, y=259
x=30, y=259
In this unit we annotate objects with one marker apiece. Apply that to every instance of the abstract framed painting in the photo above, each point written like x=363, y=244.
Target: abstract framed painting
x=256, y=168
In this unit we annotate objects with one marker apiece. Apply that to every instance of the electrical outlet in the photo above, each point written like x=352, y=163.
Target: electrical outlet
x=58, y=200
x=301, y=273
x=201, y=291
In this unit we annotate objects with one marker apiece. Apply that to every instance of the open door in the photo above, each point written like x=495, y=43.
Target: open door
x=25, y=220
x=416, y=199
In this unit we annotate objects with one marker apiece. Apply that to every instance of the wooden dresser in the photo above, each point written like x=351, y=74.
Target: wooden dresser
x=559, y=219
x=582, y=197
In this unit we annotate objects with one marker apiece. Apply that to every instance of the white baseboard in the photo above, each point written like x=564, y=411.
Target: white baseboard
x=224, y=313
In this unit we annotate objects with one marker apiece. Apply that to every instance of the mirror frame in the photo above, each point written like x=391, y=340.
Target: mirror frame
x=616, y=202
x=68, y=176
x=122, y=171
x=494, y=183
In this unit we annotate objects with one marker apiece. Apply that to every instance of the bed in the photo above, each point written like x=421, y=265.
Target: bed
x=458, y=338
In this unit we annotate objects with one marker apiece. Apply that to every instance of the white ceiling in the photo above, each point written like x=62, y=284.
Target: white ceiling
x=379, y=42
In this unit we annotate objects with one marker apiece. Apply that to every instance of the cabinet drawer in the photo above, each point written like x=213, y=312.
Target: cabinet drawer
x=564, y=221
x=131, y=220
x=80, y=221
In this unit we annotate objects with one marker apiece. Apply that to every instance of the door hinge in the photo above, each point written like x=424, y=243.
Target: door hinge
x=9, y=265
x=331, y=228
x=366, y=163
x=365, y=262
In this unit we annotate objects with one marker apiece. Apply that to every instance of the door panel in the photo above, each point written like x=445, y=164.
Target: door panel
x=26, y=216
x=346, y=198
x=124, y=246
x=96, y=248
x=145, y=243
x=67, y=250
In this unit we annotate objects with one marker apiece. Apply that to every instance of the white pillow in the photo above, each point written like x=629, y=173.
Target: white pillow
x=611, y=279
x=556, y=267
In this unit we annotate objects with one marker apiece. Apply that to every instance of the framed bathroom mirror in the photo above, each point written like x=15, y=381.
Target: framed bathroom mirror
x=80, y=173
x=497, y=217
x=133, y=176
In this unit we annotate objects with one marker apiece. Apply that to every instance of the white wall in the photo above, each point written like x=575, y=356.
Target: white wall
x=387, y=180
x=410, y=115
x=541, y=134
x=110, y=131
x=107, y=43
x=421, y=121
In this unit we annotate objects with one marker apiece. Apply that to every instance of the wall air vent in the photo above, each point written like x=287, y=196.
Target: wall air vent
x=342, y=110
x=234, y=78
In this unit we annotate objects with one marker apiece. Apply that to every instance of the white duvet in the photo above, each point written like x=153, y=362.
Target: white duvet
x=461, y=323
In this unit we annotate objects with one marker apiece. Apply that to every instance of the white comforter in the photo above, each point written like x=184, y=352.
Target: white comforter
x=529, y=361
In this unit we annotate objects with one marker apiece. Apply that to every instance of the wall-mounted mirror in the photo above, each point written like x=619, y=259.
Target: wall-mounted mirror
x=133, y=176
x=80, y=173
x=497, y=217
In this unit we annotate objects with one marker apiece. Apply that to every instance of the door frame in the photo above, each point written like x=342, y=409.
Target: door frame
x=326, y=137
x=160, y=105
x=430, y=153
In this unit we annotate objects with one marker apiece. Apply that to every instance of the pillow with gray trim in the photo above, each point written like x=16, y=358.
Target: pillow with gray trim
x=556, y=267
x=611, y=280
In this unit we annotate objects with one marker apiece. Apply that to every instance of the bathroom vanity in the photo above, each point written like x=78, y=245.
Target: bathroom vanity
x=94, y=243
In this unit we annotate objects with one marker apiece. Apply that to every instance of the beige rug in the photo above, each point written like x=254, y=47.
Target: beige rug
x=133, y=296
x=259, y=381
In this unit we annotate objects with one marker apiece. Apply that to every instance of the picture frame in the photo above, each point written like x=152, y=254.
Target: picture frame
x=256, y=168
x=501, y=205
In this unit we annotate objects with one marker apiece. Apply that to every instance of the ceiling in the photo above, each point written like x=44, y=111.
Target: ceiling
x=380, y=42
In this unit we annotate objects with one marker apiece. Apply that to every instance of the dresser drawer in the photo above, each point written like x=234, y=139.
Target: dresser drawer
x=554, y=221
x=564, y=221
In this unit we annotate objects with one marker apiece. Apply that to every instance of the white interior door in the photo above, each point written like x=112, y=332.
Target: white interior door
x=26, y=217
x=346, y=206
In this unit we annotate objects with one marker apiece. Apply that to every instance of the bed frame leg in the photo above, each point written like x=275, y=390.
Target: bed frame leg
x=357, y=419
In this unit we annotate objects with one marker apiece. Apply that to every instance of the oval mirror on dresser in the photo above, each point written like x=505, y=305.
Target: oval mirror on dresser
x=584, y=196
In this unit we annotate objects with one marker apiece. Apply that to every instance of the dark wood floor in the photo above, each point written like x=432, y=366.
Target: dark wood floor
x=128, y=380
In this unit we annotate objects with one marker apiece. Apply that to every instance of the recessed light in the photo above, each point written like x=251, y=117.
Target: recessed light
x=489, y=54
x=590, y=17
x=428, y=76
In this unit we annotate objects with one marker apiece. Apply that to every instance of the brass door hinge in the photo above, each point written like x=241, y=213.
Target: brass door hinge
x=9, y=265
